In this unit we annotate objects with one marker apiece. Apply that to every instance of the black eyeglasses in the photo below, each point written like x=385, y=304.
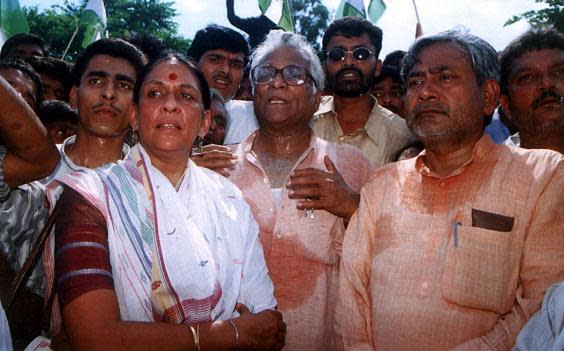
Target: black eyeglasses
x=292, y=74
x=358, y=54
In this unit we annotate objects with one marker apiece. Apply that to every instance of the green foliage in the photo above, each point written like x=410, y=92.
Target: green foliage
x=57, y=24
x=311, y=19
x=552, y=16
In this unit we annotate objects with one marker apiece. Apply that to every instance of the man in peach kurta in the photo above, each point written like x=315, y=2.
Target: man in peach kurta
x=296, y=185
x=455, y=248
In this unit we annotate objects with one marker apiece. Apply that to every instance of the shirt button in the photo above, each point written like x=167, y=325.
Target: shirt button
x=278, y=235
x=341, y=138
x=442, y=184
x=265, y=180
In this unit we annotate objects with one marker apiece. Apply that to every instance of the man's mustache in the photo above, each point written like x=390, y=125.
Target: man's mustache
x=546, y=94
x=112, y=106
x=429, y=107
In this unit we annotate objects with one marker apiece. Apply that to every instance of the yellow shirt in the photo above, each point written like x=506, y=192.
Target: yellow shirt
x=382, y=137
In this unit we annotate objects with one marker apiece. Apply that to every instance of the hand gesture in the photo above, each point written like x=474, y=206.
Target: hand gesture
x=324, y=190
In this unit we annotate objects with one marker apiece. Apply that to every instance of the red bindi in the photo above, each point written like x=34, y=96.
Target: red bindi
x=172, y=76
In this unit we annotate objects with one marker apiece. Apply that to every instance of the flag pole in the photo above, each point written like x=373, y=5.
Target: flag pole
x=418, y=27
x=416, y=12
x=70, y=42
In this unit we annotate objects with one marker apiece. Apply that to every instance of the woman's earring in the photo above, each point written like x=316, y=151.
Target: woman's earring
x=200, y=144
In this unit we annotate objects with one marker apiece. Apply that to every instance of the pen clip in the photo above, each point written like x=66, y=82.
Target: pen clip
x=456, y=224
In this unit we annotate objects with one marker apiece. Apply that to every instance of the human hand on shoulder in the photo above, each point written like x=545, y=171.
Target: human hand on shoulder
x=218, y=158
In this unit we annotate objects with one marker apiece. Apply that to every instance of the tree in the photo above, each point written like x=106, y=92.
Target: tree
x=311, y=19
x=552, y=16
x=57, y=24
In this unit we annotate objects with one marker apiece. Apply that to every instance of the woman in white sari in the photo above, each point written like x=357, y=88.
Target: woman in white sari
x=155, y=253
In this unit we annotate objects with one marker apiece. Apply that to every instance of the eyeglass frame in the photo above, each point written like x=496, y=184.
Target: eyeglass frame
x=281, y=72
x=346, y=52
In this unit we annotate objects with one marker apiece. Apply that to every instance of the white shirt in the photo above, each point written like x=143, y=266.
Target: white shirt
x=241, y=123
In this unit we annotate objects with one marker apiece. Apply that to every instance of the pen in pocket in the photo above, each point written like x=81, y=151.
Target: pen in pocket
x=456, y=225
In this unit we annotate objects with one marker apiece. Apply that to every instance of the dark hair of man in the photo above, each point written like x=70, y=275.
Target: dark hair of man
x=55, y=110
x=215, y=37
x=349, y=27
x=25, y=68
x=394, y=58
x=150, y=45
x=531, y=40
x=389, y=72
x=192, y=67
x=481, y=55
x=57, y=69
x=113, y=47
x=23, y=38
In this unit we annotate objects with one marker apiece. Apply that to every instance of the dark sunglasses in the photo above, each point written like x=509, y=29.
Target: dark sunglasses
x=292, y=74
x=358, y=54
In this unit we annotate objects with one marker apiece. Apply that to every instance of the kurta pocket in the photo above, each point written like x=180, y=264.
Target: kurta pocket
x=477, y=270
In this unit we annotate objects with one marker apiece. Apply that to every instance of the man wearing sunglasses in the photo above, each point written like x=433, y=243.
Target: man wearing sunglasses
x=350, y=49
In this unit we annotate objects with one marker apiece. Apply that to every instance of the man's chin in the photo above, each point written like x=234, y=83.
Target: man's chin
x=350, y=93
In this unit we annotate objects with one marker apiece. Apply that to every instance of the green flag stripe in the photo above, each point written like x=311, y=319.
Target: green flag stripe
x=286, y=19
x=376, y=9
x=12, y=19
x=264, y=4
x=92, y=24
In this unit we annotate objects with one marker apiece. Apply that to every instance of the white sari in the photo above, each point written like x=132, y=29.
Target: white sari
x=185, y=256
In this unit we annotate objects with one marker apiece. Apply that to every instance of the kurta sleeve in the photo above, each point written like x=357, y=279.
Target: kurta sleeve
x=353, y=317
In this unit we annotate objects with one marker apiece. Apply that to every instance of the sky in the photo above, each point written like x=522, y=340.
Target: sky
x=484, y=18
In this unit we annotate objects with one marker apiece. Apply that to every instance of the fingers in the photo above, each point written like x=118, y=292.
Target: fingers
x=216, y=160
x=241, y=308
x=215, y=147
x=329, y=165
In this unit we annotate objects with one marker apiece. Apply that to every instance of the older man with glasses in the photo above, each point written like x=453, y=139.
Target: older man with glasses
x=302, y=189
x=350, y=49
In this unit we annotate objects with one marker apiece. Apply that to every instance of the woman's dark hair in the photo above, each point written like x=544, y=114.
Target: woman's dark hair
x=191, y=65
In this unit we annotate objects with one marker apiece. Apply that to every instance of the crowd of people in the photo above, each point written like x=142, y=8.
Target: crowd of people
x=279, y=198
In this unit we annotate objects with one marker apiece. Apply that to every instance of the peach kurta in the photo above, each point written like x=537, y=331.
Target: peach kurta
x=302, y=254
x=411, y=281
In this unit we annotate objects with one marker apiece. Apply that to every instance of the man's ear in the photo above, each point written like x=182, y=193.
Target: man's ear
x=504, y=101
x=206, y=123
x=378, y=68
x=73, y=97
x=490, y=91
x=133, y=118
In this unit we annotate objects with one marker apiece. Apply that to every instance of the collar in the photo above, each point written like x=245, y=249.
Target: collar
x=373, y=124
x=482, y=148
x=125, y=150
x=247, y=146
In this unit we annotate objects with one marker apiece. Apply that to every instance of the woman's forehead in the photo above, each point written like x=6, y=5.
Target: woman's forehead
x=171, y=70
